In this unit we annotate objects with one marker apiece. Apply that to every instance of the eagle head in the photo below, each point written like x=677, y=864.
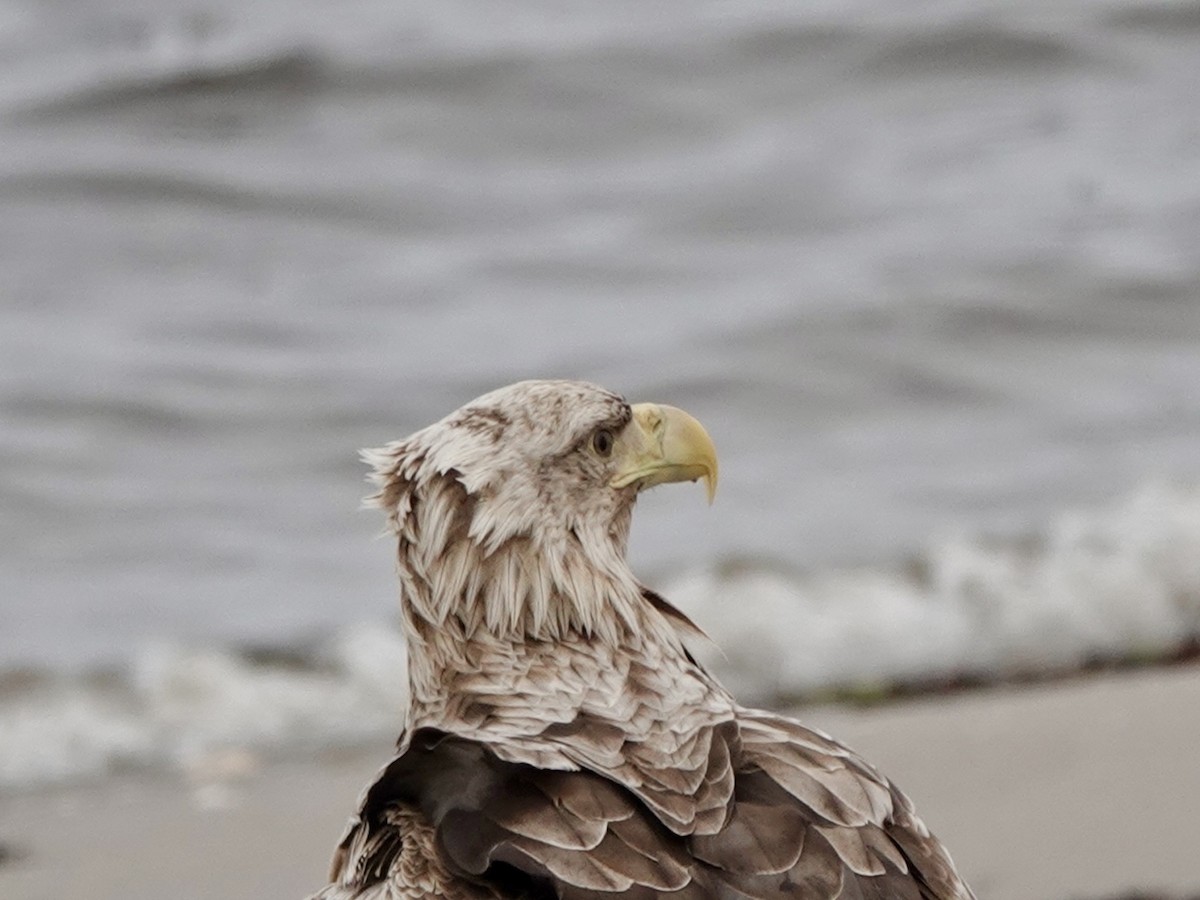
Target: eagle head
x=512, y=513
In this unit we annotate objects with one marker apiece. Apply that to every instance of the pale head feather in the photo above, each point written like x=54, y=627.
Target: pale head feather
x=505, y=521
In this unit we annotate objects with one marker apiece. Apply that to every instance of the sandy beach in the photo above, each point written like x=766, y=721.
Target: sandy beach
x=1079, y=789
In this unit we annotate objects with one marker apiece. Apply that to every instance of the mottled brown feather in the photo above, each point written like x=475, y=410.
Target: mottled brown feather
x=573, y=832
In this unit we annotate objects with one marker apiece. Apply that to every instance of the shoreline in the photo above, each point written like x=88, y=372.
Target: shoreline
x=1073, y=790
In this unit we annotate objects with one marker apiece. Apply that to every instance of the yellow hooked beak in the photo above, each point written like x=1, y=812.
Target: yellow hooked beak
x=664, y=444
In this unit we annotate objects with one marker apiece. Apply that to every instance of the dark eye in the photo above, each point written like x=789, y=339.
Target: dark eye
x=602, y=442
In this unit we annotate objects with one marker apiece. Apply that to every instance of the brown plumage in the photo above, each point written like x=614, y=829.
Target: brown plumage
x=560, y=740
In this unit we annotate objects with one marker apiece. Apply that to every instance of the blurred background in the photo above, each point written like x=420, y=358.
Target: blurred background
x=928, y=271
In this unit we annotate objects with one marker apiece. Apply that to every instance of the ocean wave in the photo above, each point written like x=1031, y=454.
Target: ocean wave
x=117, y=80
x=1118, y=583
x=185, y=708
x=975, y=49
x=1173, y=19
x=1121, y=583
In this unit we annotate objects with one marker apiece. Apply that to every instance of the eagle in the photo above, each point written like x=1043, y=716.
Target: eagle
x=561, y=741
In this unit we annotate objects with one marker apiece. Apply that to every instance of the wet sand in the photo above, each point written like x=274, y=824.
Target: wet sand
x=1080, y=789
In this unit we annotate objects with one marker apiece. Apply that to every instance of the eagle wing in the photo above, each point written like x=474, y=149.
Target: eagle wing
x=804, y=816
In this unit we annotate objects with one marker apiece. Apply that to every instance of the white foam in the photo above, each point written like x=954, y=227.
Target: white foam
x=1122, y=581
x=184, y=707
x=1118, y=582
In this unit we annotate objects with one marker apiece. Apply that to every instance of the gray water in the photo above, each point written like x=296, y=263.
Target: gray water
x=923, y=268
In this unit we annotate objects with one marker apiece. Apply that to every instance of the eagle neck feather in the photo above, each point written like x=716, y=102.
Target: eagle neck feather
x=483, y=596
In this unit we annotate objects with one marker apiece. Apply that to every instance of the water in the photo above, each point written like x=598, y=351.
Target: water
x=928, y=273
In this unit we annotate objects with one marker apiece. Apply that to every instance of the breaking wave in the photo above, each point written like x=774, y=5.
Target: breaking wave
x=1117, y=584
x=1121, y=583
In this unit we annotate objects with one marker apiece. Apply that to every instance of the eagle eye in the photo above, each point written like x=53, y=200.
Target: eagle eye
x=602, y=442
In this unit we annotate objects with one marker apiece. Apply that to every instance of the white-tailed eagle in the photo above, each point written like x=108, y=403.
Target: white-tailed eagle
x=560, y=739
